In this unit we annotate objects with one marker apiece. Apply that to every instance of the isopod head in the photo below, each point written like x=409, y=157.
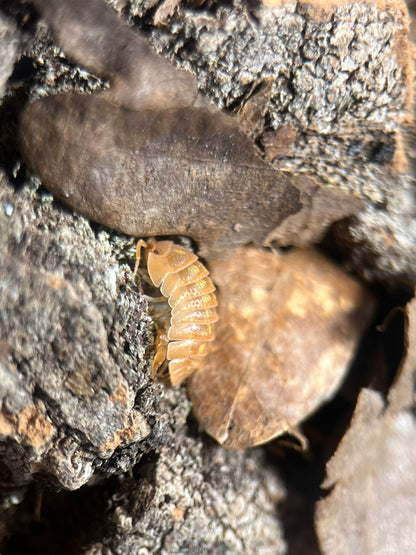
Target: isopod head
x=164, y=257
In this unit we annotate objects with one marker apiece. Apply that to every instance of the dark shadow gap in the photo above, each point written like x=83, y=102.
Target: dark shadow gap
x=57, y=522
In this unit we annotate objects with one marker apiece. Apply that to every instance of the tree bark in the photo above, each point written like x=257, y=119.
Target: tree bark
x=331, y=100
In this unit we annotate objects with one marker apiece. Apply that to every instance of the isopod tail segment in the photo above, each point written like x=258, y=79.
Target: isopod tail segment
x=190, y=293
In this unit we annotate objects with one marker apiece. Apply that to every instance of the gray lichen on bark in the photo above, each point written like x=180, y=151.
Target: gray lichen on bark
x=74, y=333
x=196, y=498
x=327, y=74
x=9, y=48
x=78, y=404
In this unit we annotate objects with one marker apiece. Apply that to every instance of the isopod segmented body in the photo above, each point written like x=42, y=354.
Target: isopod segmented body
x=191, y=295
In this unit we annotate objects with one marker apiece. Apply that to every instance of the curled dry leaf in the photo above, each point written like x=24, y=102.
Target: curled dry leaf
x=288, y=328
x=372, y=506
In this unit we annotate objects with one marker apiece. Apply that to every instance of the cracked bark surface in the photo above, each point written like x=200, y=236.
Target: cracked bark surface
x=78, y=403
x=337, y=84
x=74, y=333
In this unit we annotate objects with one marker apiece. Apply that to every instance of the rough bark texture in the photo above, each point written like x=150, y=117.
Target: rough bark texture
x=77, y=401
x=74, y=333
x=336, y=84
x=330, y=99
x=203, y=500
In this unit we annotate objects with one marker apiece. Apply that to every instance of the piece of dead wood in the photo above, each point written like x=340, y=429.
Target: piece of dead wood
x=73, y=337
x=372, y=503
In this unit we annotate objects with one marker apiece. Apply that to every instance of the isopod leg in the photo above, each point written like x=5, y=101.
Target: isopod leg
x=143, y=274
x=141, y=244
x=155, y=299
x=161, y=314
x=160, y=359
x=162, y=371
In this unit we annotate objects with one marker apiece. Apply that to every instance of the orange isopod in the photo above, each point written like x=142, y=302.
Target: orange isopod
x=191, y=295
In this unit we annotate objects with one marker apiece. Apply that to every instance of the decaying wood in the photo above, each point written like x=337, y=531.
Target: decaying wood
x=372, y=500
x=202, y=499
x=68, y=396
x=9, y=45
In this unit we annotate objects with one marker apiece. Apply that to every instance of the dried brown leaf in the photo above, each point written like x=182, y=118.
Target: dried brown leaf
x=288, y=327
x=402, y=393
x=184, y=172
x=372, y=507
